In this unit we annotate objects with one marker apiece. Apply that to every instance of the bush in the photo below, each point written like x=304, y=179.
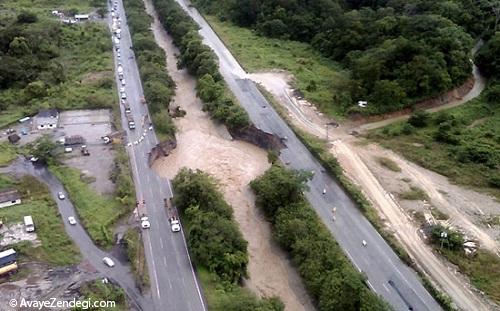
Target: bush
x=26, y=17
x=213, y=236
x=419, y=119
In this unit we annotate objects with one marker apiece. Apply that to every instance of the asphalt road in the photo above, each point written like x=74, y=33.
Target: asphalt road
x=174, y=285
x=387, y=275
x=120, y=273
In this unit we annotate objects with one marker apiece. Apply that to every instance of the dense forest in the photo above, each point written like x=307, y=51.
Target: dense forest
x=398, y=52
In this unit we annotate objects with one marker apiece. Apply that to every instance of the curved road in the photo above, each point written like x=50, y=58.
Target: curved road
x=387, y=275
x=120, y=273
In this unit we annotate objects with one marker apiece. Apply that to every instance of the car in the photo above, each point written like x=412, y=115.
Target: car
x=145, y=224
x=61, y=195
x=122, y=89
x=123, y=82
x=364, y=243
x=72, y=220
x=108, y=262
x=118, y=54
x=33, y=159
x=68, y=149
x=123, y=95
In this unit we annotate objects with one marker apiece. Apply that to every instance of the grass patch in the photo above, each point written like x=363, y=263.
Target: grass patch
x=223, y=298
x=454, y=143
x=97, y=213
x=438, y=214
x=389, y=164
x=413, y=194
x=98, y=291
x=135, y=252
x=56, y=247
x=7, y=154
x=483, y=270
x=317, y=77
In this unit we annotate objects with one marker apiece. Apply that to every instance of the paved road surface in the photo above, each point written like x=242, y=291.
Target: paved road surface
x=174, y=285
x=387, y=274
x=120, y=273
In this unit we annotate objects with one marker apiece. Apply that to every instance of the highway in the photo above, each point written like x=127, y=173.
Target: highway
x=386, y=274
x=174, y=285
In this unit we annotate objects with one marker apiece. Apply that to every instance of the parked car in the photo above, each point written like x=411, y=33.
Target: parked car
x=72, y=220
x=123, y=95
x=61, y=195
x=108, y=262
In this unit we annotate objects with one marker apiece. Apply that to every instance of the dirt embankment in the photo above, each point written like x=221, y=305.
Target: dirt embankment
x=201, y=144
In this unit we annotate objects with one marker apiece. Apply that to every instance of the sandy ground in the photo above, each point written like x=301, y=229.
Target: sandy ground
x=467, y=209
x=203, y=145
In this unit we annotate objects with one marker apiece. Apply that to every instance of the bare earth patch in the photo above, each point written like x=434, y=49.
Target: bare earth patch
x=201, y=144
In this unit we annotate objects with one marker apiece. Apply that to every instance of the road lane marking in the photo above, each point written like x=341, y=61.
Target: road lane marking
x=387, y=289
x=165, y=261
x=161, y=242
x=371, y=286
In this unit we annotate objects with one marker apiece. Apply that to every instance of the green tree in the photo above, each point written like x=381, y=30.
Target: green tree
x=26, y=17
x=44, y=149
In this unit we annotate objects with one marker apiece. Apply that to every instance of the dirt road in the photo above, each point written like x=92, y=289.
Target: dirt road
x=201, y=144
x=359, y=164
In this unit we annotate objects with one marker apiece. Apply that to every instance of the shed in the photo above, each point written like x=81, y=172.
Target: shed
x=74, y=140
x=13, y=138
x=47, y=119
x=9, y=197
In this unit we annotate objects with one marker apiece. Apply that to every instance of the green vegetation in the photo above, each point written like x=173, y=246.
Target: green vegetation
x=483, y=267
x=327, y=274
x=389, y=164
x=49, y=64
x=397, y=52
x=318, y=78
x=96, y=212
x=202, y=63
x=98, y=291
x=7, y=154
x=413, y=194
x=215, y=243
x=136, y=256
x=487, y=59
x=158, y=85
x=461, y=143
x=232, y=297
x=122, y=178
x=56, y=247
x=210, y=222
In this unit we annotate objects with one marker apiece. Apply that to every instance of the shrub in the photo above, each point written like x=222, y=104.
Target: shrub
x=419, y=119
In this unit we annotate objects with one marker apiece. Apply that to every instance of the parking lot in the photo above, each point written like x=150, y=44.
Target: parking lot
x=91, y=125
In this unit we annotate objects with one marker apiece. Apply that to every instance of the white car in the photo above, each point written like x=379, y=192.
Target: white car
x=175, y=225
x=108, y=262
x=118, y=54
x=61, y=195
x=123, y=82
x=122, y=89
x=72, y=220
x=145, y=223
x=123, y=95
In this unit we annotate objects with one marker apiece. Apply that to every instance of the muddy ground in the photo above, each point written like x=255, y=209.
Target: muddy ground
x=201, y=144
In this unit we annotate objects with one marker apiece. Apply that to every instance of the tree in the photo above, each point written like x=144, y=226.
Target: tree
x=44, y=149
x=488, y=57
x=419, y=118
x=207, y=89
x=26, y=17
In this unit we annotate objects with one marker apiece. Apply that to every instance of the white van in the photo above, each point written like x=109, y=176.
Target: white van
x=28, y=224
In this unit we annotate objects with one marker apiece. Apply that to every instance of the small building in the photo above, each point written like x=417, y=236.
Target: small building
x=47, y=119
x=74, y=140
x=13, y=138
x=9, y=197
x=81, y=17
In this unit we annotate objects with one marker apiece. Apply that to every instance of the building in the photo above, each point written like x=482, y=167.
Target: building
x=81, y=17
x=74, y=140
x=9, y=197
x=47, y=119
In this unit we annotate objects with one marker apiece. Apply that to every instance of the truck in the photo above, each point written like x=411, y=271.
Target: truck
x=7, y=257
x=175, y=224
x=85, y=150
x=8, y=269
x=28, y=224
x=131, y=122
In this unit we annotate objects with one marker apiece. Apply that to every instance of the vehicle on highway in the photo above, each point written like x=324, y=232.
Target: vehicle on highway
x=123, y=82
x=175, y=225
x=131, y=122
x=123, y=95
x=364, y=243
x=72, y=220
x=108, y=262
x=61, y=195
x=122, y=89
x=145, y=224
x=324, y=190
x=118, y=54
